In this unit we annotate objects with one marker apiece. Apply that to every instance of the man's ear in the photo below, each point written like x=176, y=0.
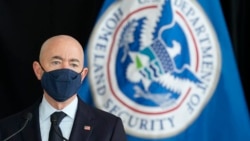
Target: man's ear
x=37, y=70
x=84, y=73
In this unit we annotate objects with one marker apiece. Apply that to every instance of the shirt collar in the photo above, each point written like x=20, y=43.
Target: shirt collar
x=45, y=109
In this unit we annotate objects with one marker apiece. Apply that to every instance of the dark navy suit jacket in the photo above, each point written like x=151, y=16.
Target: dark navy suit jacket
x=103, y=125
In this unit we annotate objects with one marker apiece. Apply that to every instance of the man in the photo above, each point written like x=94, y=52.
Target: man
x=61, y=71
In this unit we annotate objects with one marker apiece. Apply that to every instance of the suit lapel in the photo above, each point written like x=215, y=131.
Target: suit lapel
x=32, y=130
x=83, y=124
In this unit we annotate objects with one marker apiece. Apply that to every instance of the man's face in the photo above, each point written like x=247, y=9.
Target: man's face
x=62, y=54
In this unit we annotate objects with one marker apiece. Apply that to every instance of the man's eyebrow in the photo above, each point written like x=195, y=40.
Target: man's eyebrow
x=74, y=60
x=71, y=60
x=57, y=57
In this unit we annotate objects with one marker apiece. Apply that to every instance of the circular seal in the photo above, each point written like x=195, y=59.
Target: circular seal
x=154, y=63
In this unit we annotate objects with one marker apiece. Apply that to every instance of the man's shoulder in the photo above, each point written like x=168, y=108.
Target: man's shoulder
x=12, y=119
x=21, y=115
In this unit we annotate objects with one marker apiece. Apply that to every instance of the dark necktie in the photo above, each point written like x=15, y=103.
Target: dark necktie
x=55, y=133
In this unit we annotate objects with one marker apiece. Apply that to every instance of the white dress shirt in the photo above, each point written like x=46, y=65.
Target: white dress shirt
x=45, y=110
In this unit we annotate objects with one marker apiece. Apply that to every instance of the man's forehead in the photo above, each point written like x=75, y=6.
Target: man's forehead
x=70, y=51
x=63, y=46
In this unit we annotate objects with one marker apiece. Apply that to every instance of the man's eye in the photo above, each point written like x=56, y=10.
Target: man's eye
x=74, y=65
x=56, y=62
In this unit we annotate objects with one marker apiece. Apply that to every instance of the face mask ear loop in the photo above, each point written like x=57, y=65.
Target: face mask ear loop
x=81, y=70
x=41, y=67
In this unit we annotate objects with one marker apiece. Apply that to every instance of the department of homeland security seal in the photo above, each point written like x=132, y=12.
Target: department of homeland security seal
x=154, y=63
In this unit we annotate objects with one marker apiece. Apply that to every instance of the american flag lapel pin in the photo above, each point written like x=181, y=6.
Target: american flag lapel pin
x=87, y=127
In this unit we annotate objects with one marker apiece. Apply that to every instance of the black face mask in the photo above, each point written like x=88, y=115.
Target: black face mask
x=61, y=84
